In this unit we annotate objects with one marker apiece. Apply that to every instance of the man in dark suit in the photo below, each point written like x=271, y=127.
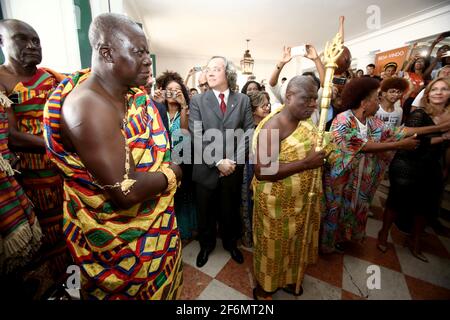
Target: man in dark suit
x=219, y=112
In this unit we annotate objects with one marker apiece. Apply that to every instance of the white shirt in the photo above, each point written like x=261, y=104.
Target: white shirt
x=362, y=129
x=226, y=93
x=391, y=119
x=416, y=102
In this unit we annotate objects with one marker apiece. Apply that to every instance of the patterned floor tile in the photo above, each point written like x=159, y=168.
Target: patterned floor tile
x=194, y=282
x=355, y=280
x=373, y=227
x=313, y=289
x=350, y=296
x=216, y=261
x=217, y=290
x=328, y=269
x=446, y=242
x=239, y=276
x=432, y=244
x=368, y=251
x=436, y=271
x=421, y=290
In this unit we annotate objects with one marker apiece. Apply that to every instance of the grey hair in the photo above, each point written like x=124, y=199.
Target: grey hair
x=230, y=72
x=108, y=26
x=299, y=82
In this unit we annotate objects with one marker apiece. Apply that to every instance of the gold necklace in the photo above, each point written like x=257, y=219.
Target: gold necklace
x=126, y=183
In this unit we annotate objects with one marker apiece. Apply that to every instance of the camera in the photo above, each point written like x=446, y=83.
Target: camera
x=170, y=94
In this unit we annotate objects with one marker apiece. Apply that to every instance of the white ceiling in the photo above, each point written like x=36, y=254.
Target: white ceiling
x=208, y=27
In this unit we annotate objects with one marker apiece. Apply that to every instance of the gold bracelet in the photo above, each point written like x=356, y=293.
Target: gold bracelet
x=170, y=176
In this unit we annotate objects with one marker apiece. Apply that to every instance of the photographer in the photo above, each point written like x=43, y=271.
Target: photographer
x=173, y=93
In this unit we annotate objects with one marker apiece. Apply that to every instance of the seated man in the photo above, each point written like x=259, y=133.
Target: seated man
x=107, y=138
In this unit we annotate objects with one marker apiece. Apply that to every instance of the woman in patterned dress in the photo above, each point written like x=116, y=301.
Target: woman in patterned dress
x=364, y=150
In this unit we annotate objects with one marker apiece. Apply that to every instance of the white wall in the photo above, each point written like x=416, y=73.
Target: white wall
x=55, y=23
x=396, y=36
x=362, y=48
x=104, y=6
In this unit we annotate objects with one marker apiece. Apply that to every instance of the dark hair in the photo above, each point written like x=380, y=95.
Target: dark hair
x=169, y=76
x=371, y=65
x=313, y=76
x=357, y=90
x=284, y=78
x=426, y=63
x=257, y=98
x=244, y=88
x=193, y=89
x=359, y=71
x=394, y=83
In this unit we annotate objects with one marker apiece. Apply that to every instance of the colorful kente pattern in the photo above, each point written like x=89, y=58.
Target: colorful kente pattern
x=123, y=254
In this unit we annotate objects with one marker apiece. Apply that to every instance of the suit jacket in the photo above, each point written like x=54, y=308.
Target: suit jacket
x=204, y=109
x=163, y=113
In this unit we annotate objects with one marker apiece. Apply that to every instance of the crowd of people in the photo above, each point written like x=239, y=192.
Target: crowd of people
x=109, y=170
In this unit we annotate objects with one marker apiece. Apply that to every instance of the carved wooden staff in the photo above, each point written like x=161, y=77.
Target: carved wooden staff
x=331, y=54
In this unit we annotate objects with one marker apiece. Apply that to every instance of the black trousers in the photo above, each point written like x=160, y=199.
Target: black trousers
x=220, y=205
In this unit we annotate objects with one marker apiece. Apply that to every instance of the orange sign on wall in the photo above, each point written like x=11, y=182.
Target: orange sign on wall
x=396, y=55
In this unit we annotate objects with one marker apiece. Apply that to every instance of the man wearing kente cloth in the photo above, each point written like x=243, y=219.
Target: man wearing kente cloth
x=20, y=233
x=28, y=87
x=113, y=150
x=286, y=139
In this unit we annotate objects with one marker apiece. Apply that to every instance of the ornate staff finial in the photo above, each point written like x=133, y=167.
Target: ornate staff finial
x=331, y=54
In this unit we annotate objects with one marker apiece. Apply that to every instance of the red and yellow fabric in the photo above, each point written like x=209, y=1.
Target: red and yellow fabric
x=20, y=233
x=123, y=254
x=39, y=177
x=352, y=179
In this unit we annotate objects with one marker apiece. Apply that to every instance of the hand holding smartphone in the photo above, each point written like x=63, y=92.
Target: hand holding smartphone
x=299, y=51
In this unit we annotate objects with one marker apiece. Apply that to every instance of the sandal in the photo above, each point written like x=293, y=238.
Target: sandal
x=418, y=255
x=290, y=288
x=256, y=297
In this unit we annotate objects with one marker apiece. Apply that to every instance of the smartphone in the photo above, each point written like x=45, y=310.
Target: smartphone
x=197, y=69
x=298, y=51
x=339, y=81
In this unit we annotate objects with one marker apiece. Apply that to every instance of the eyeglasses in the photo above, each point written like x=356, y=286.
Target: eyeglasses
x=203, y=84
x=265, y=106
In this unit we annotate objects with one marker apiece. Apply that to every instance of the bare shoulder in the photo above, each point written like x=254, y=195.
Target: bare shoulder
x=273, y=124
x=7, y=80
x=85, y=106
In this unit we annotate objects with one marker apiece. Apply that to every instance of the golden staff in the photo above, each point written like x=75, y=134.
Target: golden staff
x=331, y=54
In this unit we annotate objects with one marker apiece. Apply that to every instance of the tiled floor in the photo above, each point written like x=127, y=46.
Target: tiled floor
x=336, y=276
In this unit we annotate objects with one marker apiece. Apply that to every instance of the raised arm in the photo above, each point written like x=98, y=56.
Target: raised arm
x=341, y=27
x=312, y=55
x=285, y=58
x=409, y=58
x=188, y=76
